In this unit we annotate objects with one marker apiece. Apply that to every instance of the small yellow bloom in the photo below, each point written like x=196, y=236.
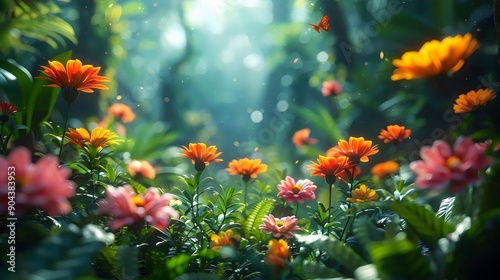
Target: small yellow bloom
x=224, y=238
x=362, y=194
x=467, y=102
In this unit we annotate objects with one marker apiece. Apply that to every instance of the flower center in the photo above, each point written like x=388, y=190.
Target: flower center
x=279, y=223
x=138, y=201
x=452, y=162
x=296, y=189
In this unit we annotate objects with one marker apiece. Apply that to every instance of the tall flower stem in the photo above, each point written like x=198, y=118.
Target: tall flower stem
x=4, y=152
x=245, y=195
x=351, y=183
x=296, y=208
x=64, y=129
x=330, y=187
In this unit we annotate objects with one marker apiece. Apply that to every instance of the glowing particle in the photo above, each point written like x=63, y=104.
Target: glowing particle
x=118, y=97
x=255, y=149
x=111, y=5
x=296, y=60
x=236, y=143
x=166, y=99
x=297, y=161
x=381, y=55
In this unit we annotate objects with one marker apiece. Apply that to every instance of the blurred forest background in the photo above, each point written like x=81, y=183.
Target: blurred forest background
x=246, y=74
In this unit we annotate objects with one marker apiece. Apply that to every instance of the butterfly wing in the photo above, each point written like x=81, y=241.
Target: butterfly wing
x=316, y=27
x=324, y=23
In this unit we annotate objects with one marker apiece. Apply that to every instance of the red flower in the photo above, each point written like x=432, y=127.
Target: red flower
x=331, y=87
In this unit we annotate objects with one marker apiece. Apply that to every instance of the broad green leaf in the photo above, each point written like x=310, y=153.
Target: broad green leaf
x=127, y=261
x=399, y=259
x=423, y=221
x=335, y=249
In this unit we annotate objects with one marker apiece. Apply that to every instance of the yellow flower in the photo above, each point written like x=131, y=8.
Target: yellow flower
x=226, y=238
x=99, y=139
x=434, y=58
x=467, y=102
x=362, y=194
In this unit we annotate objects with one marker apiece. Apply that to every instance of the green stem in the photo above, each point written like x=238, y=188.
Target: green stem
x=329, y=207
x=296, y=208
x=245, y=196
x=4, y=152
x=64, y=130
x=346, y=225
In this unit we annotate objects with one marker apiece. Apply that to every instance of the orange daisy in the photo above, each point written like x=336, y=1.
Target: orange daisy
x=143, y=168
x=122, y=112
x=246, y=168
x=329, y=167
x=357, y=149
x=99, y=139
x=467, y=102
x=301, y=137
x=394, y=132
x=362, y=194
x=81, y=77
x=224, y=238
x=278, y=253
x=435, y=57
x=200, y=155
x=384, y=168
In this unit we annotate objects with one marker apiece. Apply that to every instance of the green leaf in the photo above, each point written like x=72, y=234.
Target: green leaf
x=446, y=208
x=322, y=120
x=66, y=255
x=127, y=259
x=13, y=71
x=259, y=210
x=177, y=265
x=335, y=249
x=399, y=259
x=422, y=220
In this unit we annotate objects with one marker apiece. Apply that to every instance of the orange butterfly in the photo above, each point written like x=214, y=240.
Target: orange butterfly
x=323, y=24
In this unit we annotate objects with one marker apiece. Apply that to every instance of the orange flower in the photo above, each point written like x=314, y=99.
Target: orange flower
x=357, y=149
x=81, y=77
x=226, y=238
x=329, y=167
x=99, y=139
x=122, y=112
x=200, y=155
x=384, y=168
x=435, y=57
x=278, y=253
x=143, y=168
x=394, y=132
x=301, y=137
x=468, y=102
x=362, y=194
x=246, y=168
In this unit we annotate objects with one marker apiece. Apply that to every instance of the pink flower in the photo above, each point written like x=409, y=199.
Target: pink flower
x=331, y=87
x=440, y=164
x=296, y=191
x=278, y=227
x=42, y=185
x=130, y=208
